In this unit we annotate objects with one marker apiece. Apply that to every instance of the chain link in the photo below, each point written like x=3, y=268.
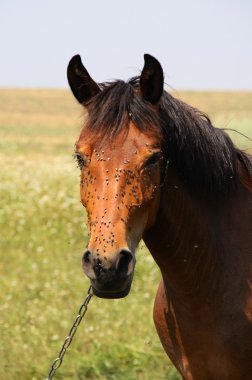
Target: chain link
x=82, y=311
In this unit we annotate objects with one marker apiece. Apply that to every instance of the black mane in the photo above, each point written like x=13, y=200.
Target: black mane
x=204, y=157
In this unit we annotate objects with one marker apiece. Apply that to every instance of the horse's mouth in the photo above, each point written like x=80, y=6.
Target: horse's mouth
x=112, y=295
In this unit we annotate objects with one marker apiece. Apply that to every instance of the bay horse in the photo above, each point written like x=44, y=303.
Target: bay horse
x=153, y=167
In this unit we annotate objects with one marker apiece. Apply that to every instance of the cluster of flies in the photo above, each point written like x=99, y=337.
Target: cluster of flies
x=130, y=195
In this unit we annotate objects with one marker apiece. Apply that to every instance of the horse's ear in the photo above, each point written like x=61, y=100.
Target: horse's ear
x=80, y=82
x=151, y=79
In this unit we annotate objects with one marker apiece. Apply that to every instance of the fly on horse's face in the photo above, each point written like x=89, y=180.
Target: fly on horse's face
x=120, y=180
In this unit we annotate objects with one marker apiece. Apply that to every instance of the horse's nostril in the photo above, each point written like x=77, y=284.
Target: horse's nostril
x=125, y=259
x=86, y=257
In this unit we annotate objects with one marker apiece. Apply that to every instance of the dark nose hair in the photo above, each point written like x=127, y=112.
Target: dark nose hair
x=119, y=267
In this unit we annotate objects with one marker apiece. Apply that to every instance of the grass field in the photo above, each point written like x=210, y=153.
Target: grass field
x=43, y=235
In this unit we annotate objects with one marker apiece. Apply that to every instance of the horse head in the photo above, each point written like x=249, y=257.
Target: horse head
x=121, y=171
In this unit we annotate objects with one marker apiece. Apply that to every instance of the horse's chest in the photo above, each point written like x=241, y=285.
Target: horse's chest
x=200, y=353
x=168, y=331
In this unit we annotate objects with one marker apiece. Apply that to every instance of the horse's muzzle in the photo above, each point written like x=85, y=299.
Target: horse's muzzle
x=107, y=292
x=110, y=278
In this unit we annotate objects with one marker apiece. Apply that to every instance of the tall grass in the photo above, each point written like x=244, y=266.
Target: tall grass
x=43, y=234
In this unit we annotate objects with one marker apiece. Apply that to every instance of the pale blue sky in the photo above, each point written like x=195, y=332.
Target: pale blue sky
x=201, y=44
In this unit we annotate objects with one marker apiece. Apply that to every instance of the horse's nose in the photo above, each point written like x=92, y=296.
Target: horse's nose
x=122, y=264
x=125, y=263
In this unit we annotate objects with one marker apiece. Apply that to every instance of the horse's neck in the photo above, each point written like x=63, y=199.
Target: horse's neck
x=193, y=245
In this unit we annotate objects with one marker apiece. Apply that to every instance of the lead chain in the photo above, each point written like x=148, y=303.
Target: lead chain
x=82, y=311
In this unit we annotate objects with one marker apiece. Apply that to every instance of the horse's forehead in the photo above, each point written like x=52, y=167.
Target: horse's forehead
x=129, y=142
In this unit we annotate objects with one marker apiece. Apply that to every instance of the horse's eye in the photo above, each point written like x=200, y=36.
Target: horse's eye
x=153, y=159
x=80, y=160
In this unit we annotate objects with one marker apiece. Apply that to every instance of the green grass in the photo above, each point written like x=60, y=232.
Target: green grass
x=43, y=235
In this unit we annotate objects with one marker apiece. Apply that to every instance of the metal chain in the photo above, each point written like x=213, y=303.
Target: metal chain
x=82, y=311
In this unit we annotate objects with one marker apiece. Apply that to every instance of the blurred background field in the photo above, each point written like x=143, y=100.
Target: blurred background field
x=42, y=238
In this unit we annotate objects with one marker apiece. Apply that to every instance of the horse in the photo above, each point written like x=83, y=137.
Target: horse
x=155, y=168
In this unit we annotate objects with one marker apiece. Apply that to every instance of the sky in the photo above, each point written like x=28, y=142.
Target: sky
x=201, y=44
